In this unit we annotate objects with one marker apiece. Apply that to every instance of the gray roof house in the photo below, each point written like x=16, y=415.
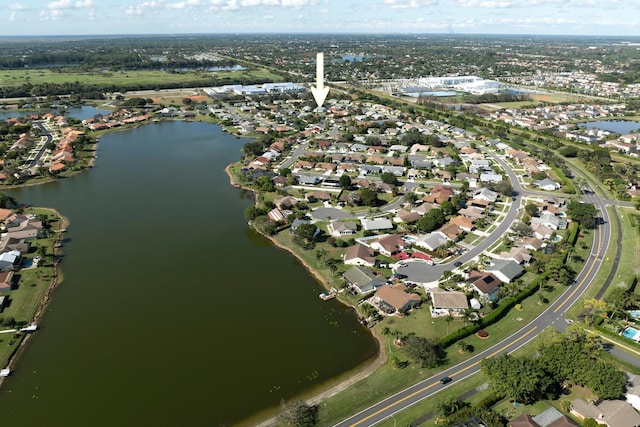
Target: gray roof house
x=547, y=184
x=340, y=228
x=363, y=279
x=486, y=194
x=376, y=224
x=490, y=177
x=8, y=260
x=308, y=180
x=505, y=270
x=431, y=241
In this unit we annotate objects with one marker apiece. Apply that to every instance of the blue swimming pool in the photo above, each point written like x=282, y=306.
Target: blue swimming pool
x=634, y=313
x=631, y=333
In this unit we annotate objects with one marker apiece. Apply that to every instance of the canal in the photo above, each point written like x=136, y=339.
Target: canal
x=172, y=311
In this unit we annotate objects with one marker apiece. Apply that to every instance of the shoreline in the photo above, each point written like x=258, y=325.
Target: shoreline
x=360, y=372
x=55, y=281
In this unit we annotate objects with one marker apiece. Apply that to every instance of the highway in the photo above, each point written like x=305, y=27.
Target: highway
x=552, y=316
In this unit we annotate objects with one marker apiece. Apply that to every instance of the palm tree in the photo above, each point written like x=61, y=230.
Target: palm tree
x=448, y=318
x=321, y=253
x=467, y=315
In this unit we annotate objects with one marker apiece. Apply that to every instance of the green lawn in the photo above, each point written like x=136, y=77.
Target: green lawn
x=127, y=78
x=32, y=285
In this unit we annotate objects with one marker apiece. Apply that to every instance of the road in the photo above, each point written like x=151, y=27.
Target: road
x=552, y=316
x=49, y=138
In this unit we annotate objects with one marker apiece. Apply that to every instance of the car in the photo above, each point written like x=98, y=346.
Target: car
x=457, y=264
x=445, y=380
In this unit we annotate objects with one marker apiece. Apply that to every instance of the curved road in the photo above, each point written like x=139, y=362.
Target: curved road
x=552, y=316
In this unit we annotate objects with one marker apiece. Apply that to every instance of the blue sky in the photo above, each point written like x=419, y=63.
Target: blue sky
x=69, y=17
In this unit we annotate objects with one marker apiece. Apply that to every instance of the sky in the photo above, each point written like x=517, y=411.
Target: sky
x=106, y=17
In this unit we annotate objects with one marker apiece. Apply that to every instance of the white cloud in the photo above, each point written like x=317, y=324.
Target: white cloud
x=142, y=8
x=69, y=4
x=406, y=4
x=18, y=7
x=266, y=17
x=184, y=4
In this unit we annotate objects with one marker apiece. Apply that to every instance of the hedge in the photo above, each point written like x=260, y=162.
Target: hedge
x=497, y=314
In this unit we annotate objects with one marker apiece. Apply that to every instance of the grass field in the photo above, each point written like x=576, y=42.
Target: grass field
x=127, y=78
x=32, y=285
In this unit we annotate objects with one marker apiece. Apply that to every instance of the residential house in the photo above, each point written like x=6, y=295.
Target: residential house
x=276, y=215
x=472, y=212
x=286, y=202
x=438, y=194
x=298, y=222
x=308, y=180
x=517, y=254
x=549, y=220
x=483, y=282
x=406, y=216
x=611, y=413
x=548, y=418
x=363, y=279
x=342, y=228
x=323, y=196
x=477, y=166
x=542, y=232
x=505, y=270
x=463, y=222
x=490, y=177
x=424, y=208
x=531, y=243
x=6, y=281
x=9, y=260
x=359, y=254
x=397, y=297
x=431, y=241
x=447, y=302
x=547, y=184
x=376, y=224
x=479, y=203
x=487, y=195
x=390, y=244
x=451, y=230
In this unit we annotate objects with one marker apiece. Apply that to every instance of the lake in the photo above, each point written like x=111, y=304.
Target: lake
x=80, y=113
x=172, y=310
x=622, y=127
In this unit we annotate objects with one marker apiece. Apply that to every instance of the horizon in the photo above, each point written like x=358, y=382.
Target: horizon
x=77, y=18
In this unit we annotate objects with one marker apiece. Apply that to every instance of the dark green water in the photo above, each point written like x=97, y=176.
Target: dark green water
x=172, y=311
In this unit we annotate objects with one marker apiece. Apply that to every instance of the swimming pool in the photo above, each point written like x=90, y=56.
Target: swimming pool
x=634, y=313
x=631, y=333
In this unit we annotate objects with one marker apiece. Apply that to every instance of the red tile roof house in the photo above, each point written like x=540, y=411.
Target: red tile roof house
x=438, y=194
x=276, y=215
x=465, y=223
x=6, y=281
x=396, y=297
x=359, y=254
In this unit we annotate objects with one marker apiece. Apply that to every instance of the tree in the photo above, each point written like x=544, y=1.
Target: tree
x=368, y=197
x=389, y=178
x=583, y=213
x=298, y=414
x=424, y=350
x=431, y=220
x=307, y=231
x=345, y=181
x=520, y=378
x=531, y=209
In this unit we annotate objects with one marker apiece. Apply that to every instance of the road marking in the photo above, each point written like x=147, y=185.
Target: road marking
x=586, y=276
x=397, y=402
